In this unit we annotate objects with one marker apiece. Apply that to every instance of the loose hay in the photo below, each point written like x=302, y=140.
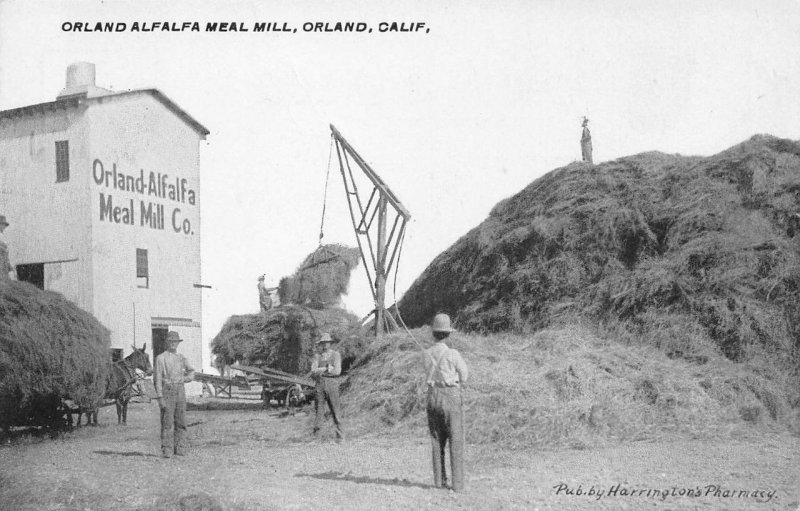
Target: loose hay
x=49, y=349
x=322, y=278
x=696, y=256
x=283, y=338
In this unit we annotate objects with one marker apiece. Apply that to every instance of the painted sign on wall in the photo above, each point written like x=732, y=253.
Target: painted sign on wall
x=150, y=211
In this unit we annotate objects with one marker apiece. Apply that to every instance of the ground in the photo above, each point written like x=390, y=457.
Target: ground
x=243, y=457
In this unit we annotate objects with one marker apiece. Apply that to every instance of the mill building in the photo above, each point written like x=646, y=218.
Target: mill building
x=102, y=193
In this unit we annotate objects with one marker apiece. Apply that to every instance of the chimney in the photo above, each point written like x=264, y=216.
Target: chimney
x=80, y=80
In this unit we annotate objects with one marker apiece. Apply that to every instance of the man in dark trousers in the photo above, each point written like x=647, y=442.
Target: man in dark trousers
x=445, y=373
x=5, y=266
x=264, y=300
x=325, y=369
x=171, y=372
x=586, y=142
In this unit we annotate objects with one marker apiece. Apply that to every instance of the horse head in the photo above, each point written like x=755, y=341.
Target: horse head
x=139, y=359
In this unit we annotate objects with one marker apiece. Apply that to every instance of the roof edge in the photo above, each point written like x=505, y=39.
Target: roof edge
x=75, y=100
x=164, y=100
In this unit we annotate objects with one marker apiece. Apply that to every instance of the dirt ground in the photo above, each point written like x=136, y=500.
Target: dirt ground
x=243, y=457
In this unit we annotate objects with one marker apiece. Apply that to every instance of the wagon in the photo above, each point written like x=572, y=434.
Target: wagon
x=222, y=384
x=287, y=389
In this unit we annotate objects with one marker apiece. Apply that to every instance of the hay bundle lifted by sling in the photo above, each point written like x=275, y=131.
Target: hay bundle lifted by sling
x=322, y=278
x=49, y=349
x=283, y=337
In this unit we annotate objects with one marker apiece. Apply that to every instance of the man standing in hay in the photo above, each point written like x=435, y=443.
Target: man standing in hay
x=171, y=372
x=586, y=142
x=445, y=372
x=325, y=369
x=264, y=300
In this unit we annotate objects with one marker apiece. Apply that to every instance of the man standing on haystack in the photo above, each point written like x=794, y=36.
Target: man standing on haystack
x=264, y=299
x=445, y=373
x=5, y=265
x=171, y=372
x=325, y=369
x=586, y=142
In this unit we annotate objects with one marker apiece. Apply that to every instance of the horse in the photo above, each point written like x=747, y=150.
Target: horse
x=121, y=378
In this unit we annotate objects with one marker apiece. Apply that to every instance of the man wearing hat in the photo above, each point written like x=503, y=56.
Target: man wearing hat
x=5, y=265
x=445, y=373
x=325, y=369
x=171, y=372
x=586, y=142
x=264, y=300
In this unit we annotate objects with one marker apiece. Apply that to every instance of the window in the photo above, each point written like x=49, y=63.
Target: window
x=142, y=275
x=62, y=161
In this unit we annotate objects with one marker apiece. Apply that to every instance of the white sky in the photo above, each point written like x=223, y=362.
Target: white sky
x=453, y=120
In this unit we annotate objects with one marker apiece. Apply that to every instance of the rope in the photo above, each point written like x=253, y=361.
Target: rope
x=325, y=195
x=394, y=292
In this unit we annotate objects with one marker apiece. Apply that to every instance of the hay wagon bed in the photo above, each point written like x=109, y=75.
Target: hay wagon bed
x=286, y=388
x=222, y=384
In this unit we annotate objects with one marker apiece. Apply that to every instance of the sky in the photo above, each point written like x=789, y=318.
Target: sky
x=454, y=118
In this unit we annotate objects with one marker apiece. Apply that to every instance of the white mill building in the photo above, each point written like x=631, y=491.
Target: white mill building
x=102, y=193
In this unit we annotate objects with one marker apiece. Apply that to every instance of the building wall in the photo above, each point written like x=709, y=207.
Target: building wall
x=50, y=221
x=139, y=137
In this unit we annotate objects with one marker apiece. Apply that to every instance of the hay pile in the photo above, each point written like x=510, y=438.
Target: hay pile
x=697, y=256
x=322, y=278
x=49, y=349
x=563, y=387
x=283, y=338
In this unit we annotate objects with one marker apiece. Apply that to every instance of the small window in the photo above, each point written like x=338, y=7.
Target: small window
x=62, y=161
x=142, y=274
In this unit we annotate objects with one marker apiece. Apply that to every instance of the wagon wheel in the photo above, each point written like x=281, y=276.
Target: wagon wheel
x=65, y=414
x=266, y=394
x=293, y=393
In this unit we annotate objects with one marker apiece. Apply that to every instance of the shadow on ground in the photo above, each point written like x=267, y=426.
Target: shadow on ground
x=338, y=476
x=127, y=453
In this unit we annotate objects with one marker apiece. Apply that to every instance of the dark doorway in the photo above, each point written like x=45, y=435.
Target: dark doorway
x=32, y=273
x=159, y=341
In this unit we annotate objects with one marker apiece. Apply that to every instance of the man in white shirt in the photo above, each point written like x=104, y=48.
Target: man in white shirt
x=325, y=369
x=172, y=370
x=445, y=373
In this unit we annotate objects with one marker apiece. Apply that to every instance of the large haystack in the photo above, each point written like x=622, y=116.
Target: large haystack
x=283, y=338
x=698, y=255
x=49, y=349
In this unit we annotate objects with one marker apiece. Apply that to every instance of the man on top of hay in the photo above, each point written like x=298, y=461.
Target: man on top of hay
x=325, y=369
x=445, y=372
x=5, y=265
x=264, y=300
x=586, y=142
x=171, y=372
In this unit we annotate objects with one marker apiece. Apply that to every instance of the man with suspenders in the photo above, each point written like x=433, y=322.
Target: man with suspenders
x=445, y=372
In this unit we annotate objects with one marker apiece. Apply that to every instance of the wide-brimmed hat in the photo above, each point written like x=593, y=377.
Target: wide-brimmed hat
x=174, y=337
x=441, y=323
x=3, y=221
x=325, y=337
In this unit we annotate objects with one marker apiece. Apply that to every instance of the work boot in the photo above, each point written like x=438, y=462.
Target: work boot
x=166, y=453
